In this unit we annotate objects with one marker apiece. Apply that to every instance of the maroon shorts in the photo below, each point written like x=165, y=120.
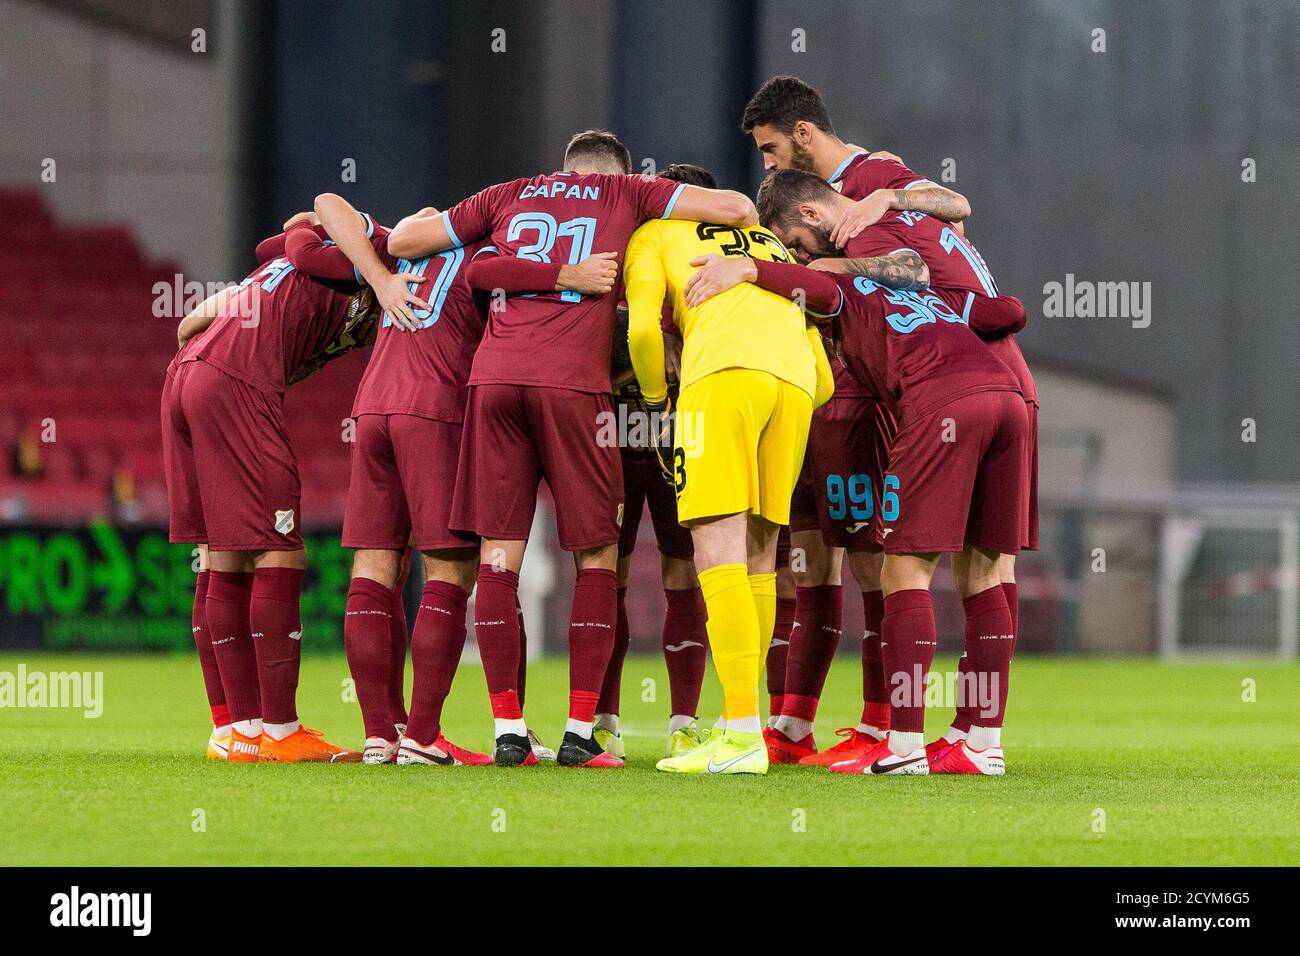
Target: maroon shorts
x=232, y=479
x=1030, y=542
x=515, y=435
x=403, y=476
x=957, y=476
x=839, y=486
x=644, y=485
x=803, y=503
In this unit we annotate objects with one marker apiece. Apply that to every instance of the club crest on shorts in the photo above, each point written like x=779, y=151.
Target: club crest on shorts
x=284, y=521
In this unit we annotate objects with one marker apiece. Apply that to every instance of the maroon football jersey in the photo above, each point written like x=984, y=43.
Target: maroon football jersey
x=1008, y=350
x=556, y=339
x=426, y=373
x=279, y=321
x=955, y=264
x=914, y=349
x=958, y=273
x=860, y=175
x=847, y=384
x=910, y=347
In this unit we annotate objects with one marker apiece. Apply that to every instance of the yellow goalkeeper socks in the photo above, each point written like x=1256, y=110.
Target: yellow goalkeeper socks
x=733, y=629
x=763, y=588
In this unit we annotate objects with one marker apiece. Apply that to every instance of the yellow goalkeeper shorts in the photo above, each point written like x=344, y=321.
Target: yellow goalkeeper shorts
x=739, y=444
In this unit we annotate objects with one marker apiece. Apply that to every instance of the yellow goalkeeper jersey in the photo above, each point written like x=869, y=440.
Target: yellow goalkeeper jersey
x=744, y=327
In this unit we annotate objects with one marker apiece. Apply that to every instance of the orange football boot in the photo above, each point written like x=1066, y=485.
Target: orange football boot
x=243, y=749
x=304, y=745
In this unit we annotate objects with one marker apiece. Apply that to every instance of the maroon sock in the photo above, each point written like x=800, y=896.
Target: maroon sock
x=207, y=659
x=521, y=677
x=436, y=647
x=989, y=643
x=613, y=683
x=401, y=634
x=778, y=654
x=965, y=713
x=226, y=609
x=277, y=636
x=908, y=644
x=592, y=622
x=1013, y=605
x=686, y=645
x=967, y=710
x=367, y=636
x=874, y=691
x=496, y=628
x=812, y=648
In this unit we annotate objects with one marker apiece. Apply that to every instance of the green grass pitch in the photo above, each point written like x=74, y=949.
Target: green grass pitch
x=1169, y=757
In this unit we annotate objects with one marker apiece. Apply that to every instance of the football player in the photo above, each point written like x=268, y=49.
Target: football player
x=959, y=275
x=749, y=383
x=835, y=511
x=232, y=481
x=538, y=387
x=955, y=481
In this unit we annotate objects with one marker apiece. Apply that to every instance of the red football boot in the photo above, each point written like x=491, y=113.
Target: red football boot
x=881, y=761
x=936, y=749
x=960, y=758
x=441, y=751
x=854, y=745
x=781, y=749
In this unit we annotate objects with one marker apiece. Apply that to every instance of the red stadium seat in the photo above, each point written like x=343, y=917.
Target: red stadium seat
x=83, y=349
x=53, y=502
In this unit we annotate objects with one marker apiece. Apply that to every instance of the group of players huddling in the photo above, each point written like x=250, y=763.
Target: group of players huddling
x=637, y=341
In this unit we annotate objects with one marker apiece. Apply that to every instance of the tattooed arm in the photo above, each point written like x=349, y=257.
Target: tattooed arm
x=932, y=199
x=904, y=270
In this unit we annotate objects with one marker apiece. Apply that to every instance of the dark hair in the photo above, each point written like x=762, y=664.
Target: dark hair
x=783, y=101
x=783, y=191
x=690, y=174
x=599, y=145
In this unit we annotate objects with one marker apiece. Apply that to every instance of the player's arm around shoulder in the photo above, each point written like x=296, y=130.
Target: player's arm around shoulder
x=351, y=233
x=421, y=234
x=308, y=250
x=726, y=207
x=908, y=191
x=903, y=270
x=204, y=314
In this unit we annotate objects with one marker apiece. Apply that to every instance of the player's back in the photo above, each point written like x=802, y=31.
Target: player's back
x=956, y=266
x=425, y=373
x=915, y=350
x=277, y=322
x=957, y=273
x=556, y=339
x=744, y=327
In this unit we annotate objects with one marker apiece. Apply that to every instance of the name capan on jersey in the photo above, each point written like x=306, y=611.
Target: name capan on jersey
x=744, y=327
